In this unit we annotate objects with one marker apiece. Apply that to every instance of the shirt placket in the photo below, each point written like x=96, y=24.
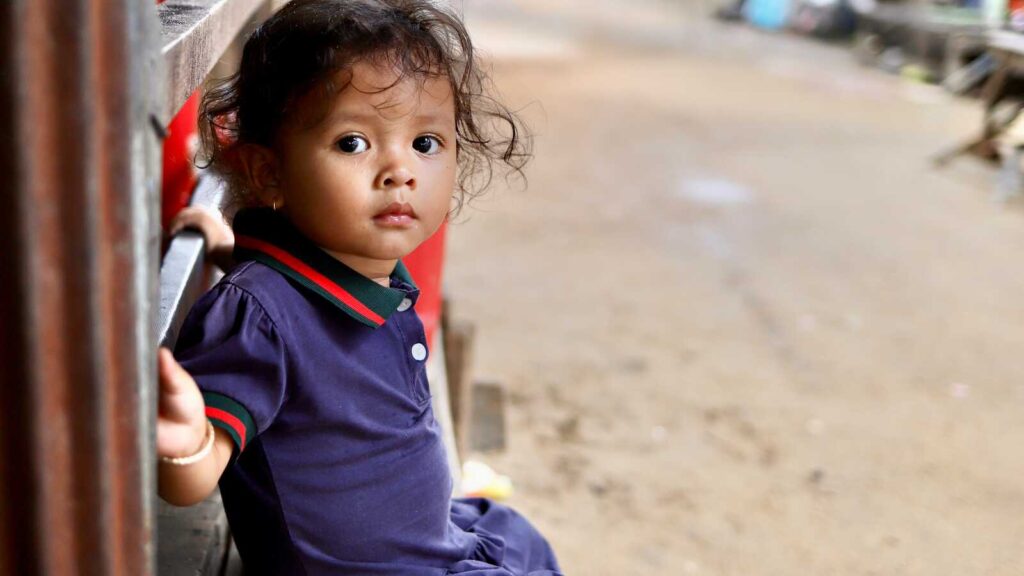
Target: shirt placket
x=414, y=349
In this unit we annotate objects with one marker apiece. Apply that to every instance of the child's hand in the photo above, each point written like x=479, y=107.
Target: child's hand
x=216, y=232
x=220, y=240
x=181, y=416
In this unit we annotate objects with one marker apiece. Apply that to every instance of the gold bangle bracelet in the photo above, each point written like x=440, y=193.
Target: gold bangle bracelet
x=203, y=452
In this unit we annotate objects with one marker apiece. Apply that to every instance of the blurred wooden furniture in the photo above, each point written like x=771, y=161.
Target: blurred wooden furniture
x=1001, y=106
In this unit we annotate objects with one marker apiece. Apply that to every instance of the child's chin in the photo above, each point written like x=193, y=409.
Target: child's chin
x=396, y=247
x=392, y=252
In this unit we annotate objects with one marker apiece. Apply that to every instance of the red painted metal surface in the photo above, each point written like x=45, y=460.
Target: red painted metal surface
x=179, y=172
x=426, y=264
x=73, y=489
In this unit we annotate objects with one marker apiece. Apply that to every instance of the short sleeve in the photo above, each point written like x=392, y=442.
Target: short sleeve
x=234, y=352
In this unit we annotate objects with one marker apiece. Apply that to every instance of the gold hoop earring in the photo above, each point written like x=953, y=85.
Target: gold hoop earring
x=275, y=205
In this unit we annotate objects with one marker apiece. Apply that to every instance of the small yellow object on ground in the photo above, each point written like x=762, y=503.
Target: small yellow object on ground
x=481, y=481
x=916, y=73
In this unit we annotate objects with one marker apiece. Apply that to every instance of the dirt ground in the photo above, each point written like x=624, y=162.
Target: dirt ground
x=745, y=326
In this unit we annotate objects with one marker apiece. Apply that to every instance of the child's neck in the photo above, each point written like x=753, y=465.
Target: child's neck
x=377, y=270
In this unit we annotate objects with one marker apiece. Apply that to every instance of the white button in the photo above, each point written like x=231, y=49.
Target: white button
x=405, y=304
x=419, y=352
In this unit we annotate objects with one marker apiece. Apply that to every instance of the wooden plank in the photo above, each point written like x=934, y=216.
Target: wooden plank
x=915, y=17
x=192, y=541
x=194, y=34
x=459, y=337
x=488, y=417
x=182, y=271
x=437, y=377
x=78, y=157
x=1012, y=42
x=233, y=565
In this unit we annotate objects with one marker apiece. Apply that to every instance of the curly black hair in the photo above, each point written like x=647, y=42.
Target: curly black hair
x=306, y=43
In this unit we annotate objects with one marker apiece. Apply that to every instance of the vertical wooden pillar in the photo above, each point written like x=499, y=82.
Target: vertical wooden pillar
x=78, y=234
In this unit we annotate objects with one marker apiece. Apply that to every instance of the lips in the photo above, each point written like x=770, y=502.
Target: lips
x=395, y=215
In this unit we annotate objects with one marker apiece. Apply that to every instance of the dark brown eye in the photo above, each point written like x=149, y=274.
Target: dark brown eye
x=426, y=145
x=353, y=144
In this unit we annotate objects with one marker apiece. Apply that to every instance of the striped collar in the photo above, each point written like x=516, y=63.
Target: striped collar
x=267, y=237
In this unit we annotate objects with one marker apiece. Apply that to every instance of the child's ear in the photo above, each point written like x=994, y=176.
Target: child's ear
x=260, y=168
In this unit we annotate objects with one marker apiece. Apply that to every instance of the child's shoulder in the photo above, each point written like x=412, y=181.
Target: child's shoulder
x=255, y=278
x=241, y=304
x=261, y=286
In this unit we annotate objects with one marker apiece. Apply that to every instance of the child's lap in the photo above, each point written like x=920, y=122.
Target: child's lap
x=507, y=540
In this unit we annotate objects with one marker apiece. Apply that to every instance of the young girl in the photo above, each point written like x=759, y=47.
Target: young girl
x=301, y=386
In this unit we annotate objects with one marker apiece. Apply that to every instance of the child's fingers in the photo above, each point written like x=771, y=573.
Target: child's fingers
x=188, y=217
x=173, y=378
x=180, y=400
x=174, y=227
x=210, y=225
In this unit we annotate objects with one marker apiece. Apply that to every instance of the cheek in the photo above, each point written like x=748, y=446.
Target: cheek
x=443, y=183
x=340, y=182
x=446, y=173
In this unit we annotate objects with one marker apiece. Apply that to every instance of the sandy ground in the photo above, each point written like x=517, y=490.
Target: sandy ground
x=746, y=328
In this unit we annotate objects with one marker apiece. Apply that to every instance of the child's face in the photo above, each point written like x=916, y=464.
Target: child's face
x=374, y=178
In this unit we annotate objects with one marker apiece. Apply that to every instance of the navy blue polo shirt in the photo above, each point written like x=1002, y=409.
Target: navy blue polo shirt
x=318, y=374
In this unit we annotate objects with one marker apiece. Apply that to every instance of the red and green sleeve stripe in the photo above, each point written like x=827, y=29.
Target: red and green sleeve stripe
x=227, y=414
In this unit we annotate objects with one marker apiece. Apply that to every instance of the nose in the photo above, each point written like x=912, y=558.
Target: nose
x=395, y=174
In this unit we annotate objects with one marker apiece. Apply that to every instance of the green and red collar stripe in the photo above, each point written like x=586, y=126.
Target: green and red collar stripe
x=265, y=236
x=232, y=417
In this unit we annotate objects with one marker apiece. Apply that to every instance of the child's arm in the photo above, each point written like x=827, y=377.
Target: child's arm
x=182, y=431
x=220, y=240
